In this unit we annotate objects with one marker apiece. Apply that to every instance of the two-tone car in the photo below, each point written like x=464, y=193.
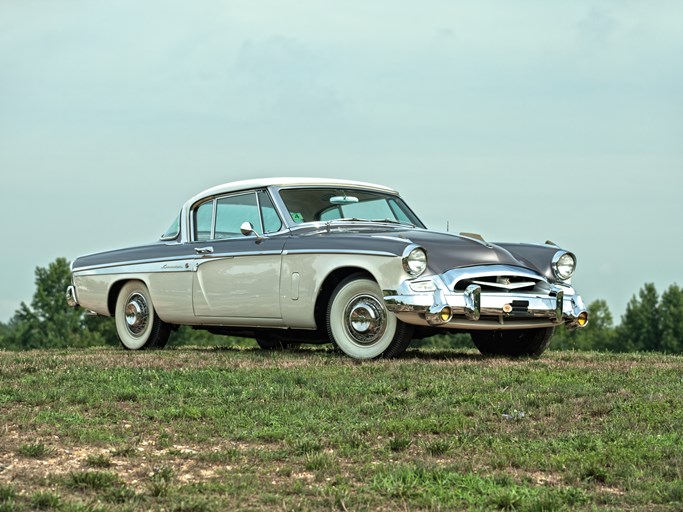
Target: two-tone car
x=305, y=260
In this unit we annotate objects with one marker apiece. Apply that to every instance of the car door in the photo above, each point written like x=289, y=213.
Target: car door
x=237, y=276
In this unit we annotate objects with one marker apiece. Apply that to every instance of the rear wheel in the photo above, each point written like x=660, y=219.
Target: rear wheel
x=526, y=342
x=359, y=323
x=137, y=324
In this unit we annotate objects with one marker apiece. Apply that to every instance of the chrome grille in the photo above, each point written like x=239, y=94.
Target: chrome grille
x=498, y=283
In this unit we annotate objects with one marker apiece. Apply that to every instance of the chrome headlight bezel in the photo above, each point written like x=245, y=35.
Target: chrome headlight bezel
x=414, y=260
x=561, y=270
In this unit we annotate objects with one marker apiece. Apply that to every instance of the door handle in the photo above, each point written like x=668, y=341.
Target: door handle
x=203, y=250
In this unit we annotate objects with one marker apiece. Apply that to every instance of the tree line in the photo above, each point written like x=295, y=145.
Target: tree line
x=650, y=323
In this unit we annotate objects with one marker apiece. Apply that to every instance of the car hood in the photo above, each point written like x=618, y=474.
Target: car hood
x=446, y=251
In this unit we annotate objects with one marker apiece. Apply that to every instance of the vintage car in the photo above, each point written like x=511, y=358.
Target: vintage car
x=294, y=260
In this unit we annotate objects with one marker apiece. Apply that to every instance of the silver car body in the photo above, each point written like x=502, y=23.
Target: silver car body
x=280, y=279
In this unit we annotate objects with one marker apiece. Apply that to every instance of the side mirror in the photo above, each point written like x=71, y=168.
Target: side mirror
x=247, y=229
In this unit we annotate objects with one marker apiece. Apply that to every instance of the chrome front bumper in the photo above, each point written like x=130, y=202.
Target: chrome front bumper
x=478, y=310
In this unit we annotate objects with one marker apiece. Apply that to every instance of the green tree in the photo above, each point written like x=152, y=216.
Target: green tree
x=4, y=330
x=49, y=322
x=599, y=334
x=640, y=327
x=671, y=317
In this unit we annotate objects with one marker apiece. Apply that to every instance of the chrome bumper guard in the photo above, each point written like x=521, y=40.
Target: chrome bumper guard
x=474, y=309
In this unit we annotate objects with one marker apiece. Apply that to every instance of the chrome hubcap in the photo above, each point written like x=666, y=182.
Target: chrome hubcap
x=137, y=314
x=365, y=319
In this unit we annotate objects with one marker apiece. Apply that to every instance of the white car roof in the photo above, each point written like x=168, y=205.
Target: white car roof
x=235, y=186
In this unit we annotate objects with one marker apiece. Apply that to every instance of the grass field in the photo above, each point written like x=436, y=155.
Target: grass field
x=221, y=429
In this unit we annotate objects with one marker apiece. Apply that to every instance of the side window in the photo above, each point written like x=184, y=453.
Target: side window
x=232, y=211
x=203, y=219
x=173, y=230
x=271, y=220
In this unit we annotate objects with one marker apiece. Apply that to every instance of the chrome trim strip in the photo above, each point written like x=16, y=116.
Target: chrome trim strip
x=490, y=325
x=337, y=251
x=190, y=258
x=232, y=255
x=258, y=210
x=214, y=218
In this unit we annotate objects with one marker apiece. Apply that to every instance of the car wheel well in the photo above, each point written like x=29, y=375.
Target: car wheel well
x=328, y=287
x=114, y=294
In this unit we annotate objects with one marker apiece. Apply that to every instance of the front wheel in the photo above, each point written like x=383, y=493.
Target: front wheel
x=137, y=324
x=359, y=323
x=523, y=342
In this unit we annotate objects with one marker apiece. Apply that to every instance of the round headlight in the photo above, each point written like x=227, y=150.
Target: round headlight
x=415, y=260
x=564, y=264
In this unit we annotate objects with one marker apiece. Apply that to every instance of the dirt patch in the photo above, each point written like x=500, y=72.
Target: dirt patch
x=135, y=467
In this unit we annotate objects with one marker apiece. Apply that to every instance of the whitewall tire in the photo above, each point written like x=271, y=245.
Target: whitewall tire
x=137, y=324
x=359, y=323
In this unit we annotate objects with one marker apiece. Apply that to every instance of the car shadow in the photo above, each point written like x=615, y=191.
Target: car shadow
x=441, y=355
x=416, y=354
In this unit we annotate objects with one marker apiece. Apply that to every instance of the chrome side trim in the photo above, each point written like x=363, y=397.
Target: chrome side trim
x=337, y=251
x=190, y=260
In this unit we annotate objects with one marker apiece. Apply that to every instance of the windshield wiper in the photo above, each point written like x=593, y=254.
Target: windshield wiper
x=358, y=219
x=394, y=221
x=348, y=219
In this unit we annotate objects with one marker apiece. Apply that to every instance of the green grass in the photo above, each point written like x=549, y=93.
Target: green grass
x=34, y=451
x=216, y=429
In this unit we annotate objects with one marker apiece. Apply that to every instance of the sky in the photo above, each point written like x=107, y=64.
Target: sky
x=522, y=121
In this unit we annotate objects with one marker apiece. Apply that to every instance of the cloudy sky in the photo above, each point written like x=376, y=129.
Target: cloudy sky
x=523, y=121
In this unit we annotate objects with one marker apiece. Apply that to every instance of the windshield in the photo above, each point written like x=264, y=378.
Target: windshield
x=328, y=204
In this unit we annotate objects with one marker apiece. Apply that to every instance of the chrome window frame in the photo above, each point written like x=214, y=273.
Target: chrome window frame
x=193, y=220
x=169, y=238
x=193, y=213
x=282, y=207
x=283, y=226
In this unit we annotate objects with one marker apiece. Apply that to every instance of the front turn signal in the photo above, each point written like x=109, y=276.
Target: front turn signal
x=446, y=314
x=582, y=320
